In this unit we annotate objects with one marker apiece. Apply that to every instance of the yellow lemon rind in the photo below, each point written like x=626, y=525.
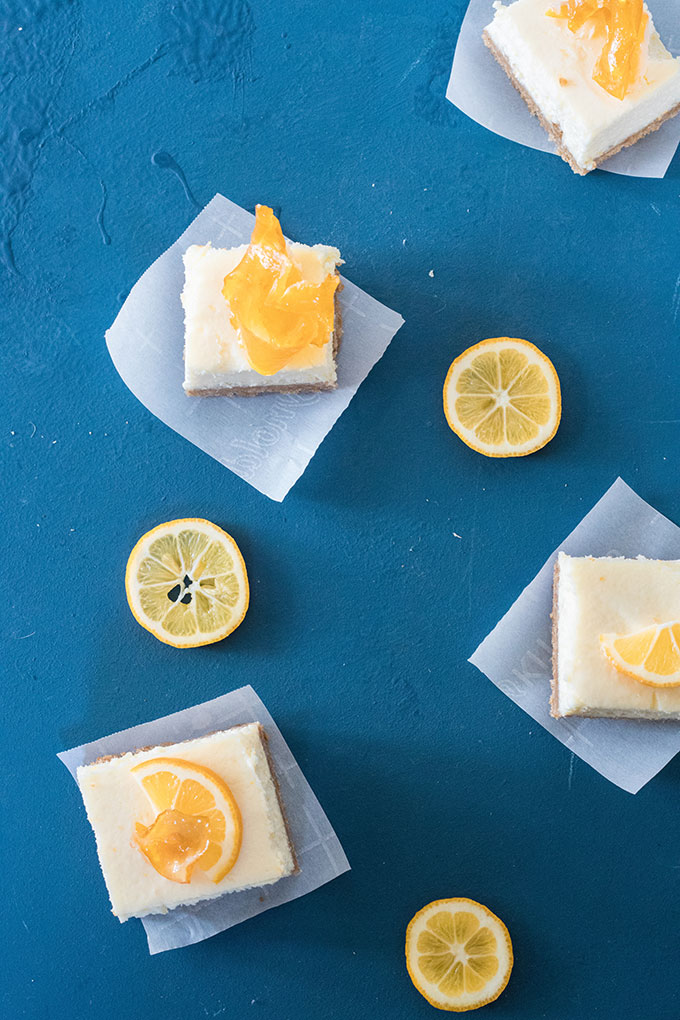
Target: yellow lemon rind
x=508, y=453
x=213, y=639
x=447, y=1006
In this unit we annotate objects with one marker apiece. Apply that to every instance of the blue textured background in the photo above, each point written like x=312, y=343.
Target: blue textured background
x=365, y=603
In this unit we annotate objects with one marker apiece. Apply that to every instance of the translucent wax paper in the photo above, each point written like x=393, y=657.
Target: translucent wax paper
x=481, y=89
x=318, y=850
x=516, y=655
x=267, y=440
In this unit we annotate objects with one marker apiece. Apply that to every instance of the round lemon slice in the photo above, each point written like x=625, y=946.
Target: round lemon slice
x=458, y=954
x=186, y=583
x=502, y=397
x=651, y=656
x=197, y=822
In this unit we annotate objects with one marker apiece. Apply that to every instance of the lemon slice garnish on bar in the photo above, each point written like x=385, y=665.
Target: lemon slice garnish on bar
x=198, y=824
x=651, y=655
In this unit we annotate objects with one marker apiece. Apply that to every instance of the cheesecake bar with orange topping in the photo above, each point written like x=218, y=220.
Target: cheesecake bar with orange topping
x=594, y=72
x=262, y=317
x=187, y=822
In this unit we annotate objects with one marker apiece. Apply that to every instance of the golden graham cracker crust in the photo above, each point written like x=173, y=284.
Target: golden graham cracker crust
x=257, y=391
x=554, y=131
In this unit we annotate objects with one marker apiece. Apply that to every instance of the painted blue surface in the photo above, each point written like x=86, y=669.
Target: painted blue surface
x=366, y=603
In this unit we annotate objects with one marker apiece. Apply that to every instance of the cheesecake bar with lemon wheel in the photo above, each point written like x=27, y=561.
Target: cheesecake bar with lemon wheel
x=262, y=317
x=594, y=72
x=187, y=822
x=616, y=637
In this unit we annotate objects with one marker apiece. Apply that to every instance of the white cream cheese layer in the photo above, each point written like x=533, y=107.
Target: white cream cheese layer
x=214, y=355
x=611, y=595
x=114, y=801
x=555, y=67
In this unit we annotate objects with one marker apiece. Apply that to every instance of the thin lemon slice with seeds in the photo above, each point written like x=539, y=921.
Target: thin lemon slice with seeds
x=502, y=397
x=458, y=954
x=651, y=655
x=196, y=822
x=186, y=583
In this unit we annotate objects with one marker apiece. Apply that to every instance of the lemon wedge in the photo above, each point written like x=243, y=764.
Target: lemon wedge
x=651, y=655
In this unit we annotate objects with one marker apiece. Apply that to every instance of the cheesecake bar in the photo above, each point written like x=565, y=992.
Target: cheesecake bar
x=597, y=596
x=262, y=317
x=596, y=74
x=187, y=822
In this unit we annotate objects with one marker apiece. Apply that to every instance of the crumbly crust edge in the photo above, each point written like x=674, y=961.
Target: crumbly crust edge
x=554, y=131
x=275, y=779
x=554, y=680
x=258, y=391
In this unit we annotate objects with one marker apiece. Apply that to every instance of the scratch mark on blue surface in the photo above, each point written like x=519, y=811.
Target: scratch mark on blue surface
x=676, y=300
x=112, y=91
x=429, y=98
x=106, y=237
x=419, y=59
x=571, y=770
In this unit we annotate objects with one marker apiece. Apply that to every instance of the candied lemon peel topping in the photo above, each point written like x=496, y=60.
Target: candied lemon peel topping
x=651, y=655
x=622, y=24
x=458, y=954
x=198, y=824
x=277, y=313
x=186, y=583
x=502, y=397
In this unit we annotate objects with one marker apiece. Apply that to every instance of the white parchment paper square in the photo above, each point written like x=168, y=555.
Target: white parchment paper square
x=516, y=655
x=318, y=850
x=482, y=90
x=267, y=440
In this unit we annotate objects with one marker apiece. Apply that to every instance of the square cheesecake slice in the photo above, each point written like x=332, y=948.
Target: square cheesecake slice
x=187, y=822
x=563, y=62
x=609, y=595
x=277, y=331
